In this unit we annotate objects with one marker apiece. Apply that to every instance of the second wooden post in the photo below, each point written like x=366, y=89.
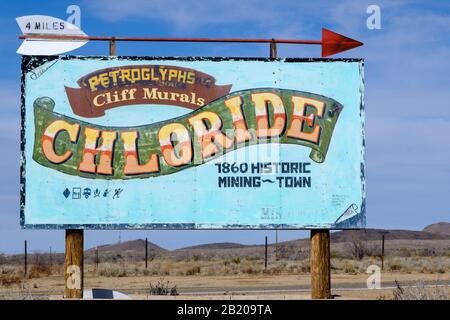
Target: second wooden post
x=320, y=264
x=73, y=275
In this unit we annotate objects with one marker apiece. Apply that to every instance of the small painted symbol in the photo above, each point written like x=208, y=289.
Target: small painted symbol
x=105, y=194
x=117, y=192
x=96, y=193
x=76, y=193
x=66, y=193
x=87, y=192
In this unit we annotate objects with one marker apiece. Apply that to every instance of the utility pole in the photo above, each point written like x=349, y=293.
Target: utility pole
x=25, y=261
x=265, y=256
x=146, y=253
x=96, y=260
x=276, y=244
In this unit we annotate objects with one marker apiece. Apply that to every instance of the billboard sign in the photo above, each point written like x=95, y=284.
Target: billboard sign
x=192, y=143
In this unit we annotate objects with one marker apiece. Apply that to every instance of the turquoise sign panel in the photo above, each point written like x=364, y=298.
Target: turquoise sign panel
x=192, y=143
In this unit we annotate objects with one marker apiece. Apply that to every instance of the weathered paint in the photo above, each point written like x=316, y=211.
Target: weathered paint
x=284, y=149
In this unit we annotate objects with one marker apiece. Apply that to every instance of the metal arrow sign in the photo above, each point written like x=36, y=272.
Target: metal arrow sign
x=332, y=42
x=36, y=28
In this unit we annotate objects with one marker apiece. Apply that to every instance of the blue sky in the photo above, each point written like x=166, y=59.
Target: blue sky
x=407, y=78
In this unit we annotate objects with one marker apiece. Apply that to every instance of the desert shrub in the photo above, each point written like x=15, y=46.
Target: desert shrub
x=193, y=271
x=149, y=272
x=426, y=252
x=305, y=269
x=358, y=249
x=9, y=279
x=336, y=254
x=40, y=267
x=404, y=252
x=195, y=257
x=395, y=267
x=163, y=288
x=109, y=270
x=251, y=270
x=420, y=292
x=7, y=270
x=118, y=257
x=350, y=269
x=236, y=260
x=274, y=270
x=37, y=271
x=252, y=258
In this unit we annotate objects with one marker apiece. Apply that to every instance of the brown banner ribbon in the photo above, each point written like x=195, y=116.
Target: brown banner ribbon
x=143, y=84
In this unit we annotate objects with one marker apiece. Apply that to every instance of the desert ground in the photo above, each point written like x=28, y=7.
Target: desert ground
x=416, y=266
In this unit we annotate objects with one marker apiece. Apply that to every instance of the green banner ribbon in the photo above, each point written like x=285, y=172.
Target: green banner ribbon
x=237, y=120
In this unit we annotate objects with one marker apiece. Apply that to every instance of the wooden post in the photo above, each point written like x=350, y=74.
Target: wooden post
x=382, y=252
x=320, y=264
x=112, y=47
x=273, y=50
x=74, y=264
x=146, y=253
x=265, y=256
x=25, y=261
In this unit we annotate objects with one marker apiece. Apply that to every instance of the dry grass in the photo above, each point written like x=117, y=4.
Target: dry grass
x=11, y=275
x=9, y=280
x=350, y=258
x=421, y=292
x=244, y=266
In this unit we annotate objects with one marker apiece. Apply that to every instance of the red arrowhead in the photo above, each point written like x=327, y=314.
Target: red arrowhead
x=333, y=43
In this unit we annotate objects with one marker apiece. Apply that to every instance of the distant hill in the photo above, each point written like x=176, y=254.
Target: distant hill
x=133, y=245
x=299, y=248
x=432, y=237
x=438, y=228
x=220, y=245
x=376, y=234
x=134, y=249
x=340, y=236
